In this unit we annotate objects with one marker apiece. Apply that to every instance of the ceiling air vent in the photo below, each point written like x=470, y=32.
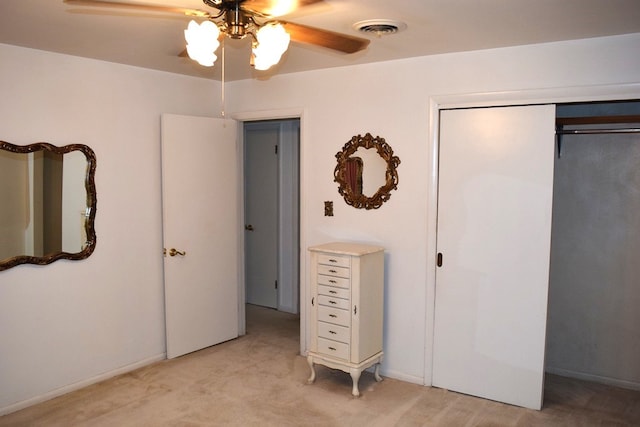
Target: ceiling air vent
x=380, y=27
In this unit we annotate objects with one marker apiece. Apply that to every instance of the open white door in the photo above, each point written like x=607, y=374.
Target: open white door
x=261, y=140
x=201, y=220
x=494, y=234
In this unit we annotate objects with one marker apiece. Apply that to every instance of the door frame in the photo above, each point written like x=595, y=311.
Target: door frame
x=283, y=114
x=488, y=99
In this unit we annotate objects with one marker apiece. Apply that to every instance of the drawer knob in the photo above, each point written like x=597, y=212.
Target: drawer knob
x=332, y=271
x=332, y=349
x=332, y=281
x=333, y=315
x=333, y=260
x=332, y=292
x=332, y=302
x=333, y=332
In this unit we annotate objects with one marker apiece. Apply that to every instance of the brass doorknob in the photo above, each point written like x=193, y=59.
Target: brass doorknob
x=174, y=252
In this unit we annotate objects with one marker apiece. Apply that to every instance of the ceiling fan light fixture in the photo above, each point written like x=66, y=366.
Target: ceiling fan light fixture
x=272, y=42
x=236, y=19
x=202, y=42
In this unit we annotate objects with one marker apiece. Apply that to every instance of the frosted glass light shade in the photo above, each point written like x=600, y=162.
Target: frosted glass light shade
x=273, y=41
x=202, y=42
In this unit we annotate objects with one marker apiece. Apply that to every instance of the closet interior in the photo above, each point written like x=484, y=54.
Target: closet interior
x=593, y=327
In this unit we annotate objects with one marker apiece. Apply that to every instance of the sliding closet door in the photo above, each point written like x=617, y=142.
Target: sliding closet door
x=494, y=232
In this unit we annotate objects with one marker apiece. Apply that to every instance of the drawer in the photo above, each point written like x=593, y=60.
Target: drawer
x=334, y=315
x=334, y=302
x=333, y=281
x=330, y=270
x=334, y=332
x=334, y=292
x=338, y=261
x=333, y=348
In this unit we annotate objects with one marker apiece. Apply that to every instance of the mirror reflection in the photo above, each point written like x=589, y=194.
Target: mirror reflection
x=366, y=171
x=49, y=200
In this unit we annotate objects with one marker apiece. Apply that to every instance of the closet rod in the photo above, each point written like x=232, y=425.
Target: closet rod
x=561, y=131
x=595, y=131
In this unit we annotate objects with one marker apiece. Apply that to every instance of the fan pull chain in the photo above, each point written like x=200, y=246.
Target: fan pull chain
x=222, y=91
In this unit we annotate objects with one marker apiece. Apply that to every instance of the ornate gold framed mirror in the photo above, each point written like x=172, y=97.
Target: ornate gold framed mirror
x=48, y=205
x=366, y=172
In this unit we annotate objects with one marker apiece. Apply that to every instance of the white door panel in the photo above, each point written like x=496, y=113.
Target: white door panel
x=261, y=212
x=200, y=217
x=494, y=230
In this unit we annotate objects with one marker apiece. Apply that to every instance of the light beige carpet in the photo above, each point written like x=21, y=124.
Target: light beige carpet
x=260, y=380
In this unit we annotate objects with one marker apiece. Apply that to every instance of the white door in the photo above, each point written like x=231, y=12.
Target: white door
x=261, y=140
x=494, y=233
x=200, y=219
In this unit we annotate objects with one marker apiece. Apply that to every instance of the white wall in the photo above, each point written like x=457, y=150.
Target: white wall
x=69, y=322
x=391, y=100
x=72, y=321
x=288, y=233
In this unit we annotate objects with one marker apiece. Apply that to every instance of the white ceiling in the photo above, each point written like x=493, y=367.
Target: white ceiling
x=154, y=40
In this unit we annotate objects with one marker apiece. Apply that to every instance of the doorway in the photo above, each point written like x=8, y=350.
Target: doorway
x=271, y=210
x=593, y=320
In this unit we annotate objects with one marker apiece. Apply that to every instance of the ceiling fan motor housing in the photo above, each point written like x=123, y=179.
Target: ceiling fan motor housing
x=236, y=23
x=214, y=3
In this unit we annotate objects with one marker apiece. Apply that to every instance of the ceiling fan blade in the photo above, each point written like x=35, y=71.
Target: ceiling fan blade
x=140, y=6
x=276, y=7
x=329, y=39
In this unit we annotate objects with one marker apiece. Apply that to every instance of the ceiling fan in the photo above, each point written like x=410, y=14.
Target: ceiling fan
x=238, y=19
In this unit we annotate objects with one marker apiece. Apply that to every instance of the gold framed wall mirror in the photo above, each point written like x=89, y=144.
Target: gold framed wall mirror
x=48, y=205
x=366, y=172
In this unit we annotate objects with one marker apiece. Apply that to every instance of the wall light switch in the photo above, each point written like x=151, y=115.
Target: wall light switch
x=328, y=208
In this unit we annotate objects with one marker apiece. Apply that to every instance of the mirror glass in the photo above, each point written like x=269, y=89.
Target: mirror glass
x=373, y=170
x=49, y=203
x=366, y=171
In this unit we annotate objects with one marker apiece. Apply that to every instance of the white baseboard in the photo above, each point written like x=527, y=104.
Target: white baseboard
x=401, y=376
x=632, y=385
x=80, y=384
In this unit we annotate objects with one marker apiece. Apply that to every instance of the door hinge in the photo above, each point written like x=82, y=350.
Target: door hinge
x=276, y=284
x=276, y=149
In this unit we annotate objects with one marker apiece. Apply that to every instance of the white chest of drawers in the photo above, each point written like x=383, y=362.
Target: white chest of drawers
x=347, y=291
